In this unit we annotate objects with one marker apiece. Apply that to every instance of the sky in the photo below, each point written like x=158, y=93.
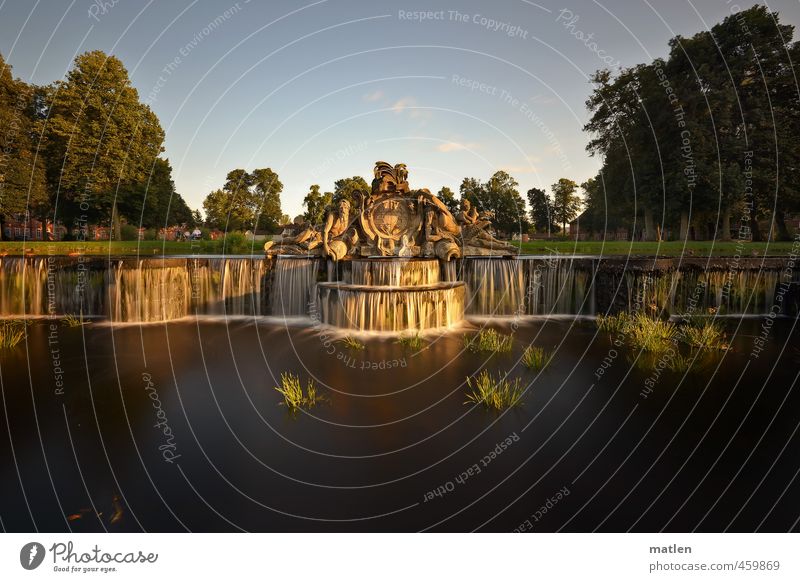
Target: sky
x=321, y=89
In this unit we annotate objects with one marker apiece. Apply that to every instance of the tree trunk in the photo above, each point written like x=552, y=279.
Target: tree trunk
x=726, y=225
x=780, y=223
x=684, y=225
x=754, y=229
x=116, y=227
x=649, y=229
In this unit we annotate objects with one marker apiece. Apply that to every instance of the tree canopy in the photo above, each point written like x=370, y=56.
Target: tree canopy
x=701, y=137
x=247, y=200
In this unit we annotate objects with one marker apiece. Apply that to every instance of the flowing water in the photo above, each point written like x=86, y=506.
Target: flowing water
x=294, y=285
x=165, y=289
x=391, y=309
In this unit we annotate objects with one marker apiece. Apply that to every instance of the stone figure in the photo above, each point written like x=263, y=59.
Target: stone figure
x=475, y=233
x=295, y=238
x=336, y=223
x=392, y=220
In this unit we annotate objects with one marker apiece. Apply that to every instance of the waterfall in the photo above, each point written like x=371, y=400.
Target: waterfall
x=449, y=271
x=410, y=290
x=395, y=272
x=390, y=308
x=293, y=286
x=496, y=286
x=227, y=286
x=148, y=291
x=50, y=286
x=696, y=291
x=556, y=286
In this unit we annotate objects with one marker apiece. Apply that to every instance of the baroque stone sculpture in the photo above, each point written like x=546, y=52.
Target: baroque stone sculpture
x=392, y=220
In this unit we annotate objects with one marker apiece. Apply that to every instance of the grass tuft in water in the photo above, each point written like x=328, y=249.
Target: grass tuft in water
x=649, y=334
x=496, y=393
x=12, y=332
x=415, y=342
x=352, y=343
x=613, y=323
x=294, y=398
x=535, y=358
x=706, y=336
x=72, y=321
x=489, y=340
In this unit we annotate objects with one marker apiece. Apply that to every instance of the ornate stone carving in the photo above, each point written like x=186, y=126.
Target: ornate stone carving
x=393, y=220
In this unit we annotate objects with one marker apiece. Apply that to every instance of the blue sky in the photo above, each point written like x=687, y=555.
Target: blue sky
x=322, y=89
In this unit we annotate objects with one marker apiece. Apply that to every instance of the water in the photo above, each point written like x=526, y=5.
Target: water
x=391, y=309
x=165, y=289
x=696, y=291
x=394, y=428
x=395, y=272
x=559, y=287
x=294, y=285
x=132, y=290
x=496, y=286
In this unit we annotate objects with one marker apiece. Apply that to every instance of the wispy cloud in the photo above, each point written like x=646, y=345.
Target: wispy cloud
x=374, y=96
x=455, y=146
x=402, y=104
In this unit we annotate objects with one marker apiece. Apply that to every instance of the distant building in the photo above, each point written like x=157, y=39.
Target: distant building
x=26, y=228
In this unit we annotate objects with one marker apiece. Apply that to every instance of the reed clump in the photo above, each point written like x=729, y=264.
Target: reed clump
x=495, y=393
x=294, y=396
x=489, y=340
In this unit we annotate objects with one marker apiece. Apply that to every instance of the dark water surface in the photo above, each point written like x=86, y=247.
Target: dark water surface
x=712, y=449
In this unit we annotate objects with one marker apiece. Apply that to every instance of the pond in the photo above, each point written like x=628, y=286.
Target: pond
x=176, y=426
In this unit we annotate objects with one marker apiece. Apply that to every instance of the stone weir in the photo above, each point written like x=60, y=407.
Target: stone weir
x=586, y=285
x=391, y=295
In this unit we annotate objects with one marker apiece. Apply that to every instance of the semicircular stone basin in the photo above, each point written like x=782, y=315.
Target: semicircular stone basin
x=392, y=295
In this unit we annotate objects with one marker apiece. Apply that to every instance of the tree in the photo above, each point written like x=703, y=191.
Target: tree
x=266, y=199
x=449, y=199
x=246, y=201
x=705, y=136
x=22, y=178
x=505, y=203
x=315, y=204
x=98, y=136
x=471, y=189
x=500, y=197
x=566, y=204
x=351, y=189
x=155, y=203
x=541, y=212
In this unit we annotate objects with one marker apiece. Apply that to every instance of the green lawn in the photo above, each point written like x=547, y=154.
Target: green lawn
x=116, y=248
x=150, y=248
x=669, y=249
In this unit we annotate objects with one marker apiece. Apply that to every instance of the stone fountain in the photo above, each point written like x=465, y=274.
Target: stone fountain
x=390, y=253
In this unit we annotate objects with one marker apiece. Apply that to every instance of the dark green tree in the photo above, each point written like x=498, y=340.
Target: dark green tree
x=541, y=212
x=266, y=199
x=315, y=203
x=22, y=178
x=566, y=204
x=447, y=196
x=351, y=189
x=99, y=138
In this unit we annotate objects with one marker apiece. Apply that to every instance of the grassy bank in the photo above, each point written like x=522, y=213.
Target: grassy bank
x=669, y=249
x=117, y=248
x=150, y=248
